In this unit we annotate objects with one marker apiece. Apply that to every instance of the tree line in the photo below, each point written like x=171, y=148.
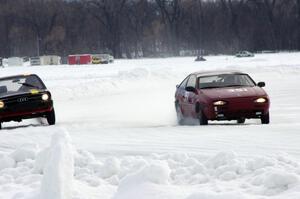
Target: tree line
x=147, y=28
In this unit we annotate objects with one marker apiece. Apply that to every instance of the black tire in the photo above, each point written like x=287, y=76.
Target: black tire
x=202, y=118
x=51, y=117
x=265, y=119
x=0, y=125
x=241, y=121
x=180, y=118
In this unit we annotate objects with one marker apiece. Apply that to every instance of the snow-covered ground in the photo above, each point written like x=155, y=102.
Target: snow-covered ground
x=116, y=136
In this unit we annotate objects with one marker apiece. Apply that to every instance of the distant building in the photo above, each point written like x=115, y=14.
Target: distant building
x=15, y=61
x=79, y=59
x=35, y=61
x=45, y=60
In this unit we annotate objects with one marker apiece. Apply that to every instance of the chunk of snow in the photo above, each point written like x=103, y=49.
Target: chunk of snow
x=110, y=167
x=58, y=172
x=7, y=162
x=157, y=173
x=25, y=152
x=280, y=180
x=222, y=158
x=41, y=160
x=211, y=195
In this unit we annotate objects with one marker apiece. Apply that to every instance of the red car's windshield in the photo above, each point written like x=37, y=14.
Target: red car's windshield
x=225, y=80
x=20, y=84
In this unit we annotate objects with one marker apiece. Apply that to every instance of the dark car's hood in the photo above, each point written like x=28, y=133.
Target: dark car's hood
x=231, y=92
x=13, y=94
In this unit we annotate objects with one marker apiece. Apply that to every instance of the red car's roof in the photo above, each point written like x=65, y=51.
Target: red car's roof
x=216, y=72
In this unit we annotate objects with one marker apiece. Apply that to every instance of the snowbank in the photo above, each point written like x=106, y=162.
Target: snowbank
x=6, y=162
x=61, y=172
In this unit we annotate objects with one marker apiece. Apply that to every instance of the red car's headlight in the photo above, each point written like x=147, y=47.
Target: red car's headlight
x=260, y=100
x=1, y=104
x=219, y=103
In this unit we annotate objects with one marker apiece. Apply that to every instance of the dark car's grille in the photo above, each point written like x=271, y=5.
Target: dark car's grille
x=22, y=103
x=22, y=99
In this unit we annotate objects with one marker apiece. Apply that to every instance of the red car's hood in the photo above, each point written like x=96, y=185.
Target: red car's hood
x=231, y=92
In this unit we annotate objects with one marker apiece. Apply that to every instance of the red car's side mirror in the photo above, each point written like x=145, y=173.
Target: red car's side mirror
x=191, y=89
x=261, y=84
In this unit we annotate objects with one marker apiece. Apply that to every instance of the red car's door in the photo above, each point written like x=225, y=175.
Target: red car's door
x=190, y=97
x=181, y=96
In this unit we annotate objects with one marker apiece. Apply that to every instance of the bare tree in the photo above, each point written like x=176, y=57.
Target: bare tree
x=41, y=17
x=171, y=12
x=6, y=22
x=298, y=22
x=108, y=13
x=147, y=27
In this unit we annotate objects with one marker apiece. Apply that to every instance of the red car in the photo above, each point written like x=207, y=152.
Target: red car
x=221, y=95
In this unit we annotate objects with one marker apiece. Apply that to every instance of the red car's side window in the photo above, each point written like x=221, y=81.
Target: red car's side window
x=192, y=81
x=183, y=83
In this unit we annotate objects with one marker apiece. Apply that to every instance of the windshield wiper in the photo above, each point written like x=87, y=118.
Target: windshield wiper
x=207, y=87
x=233, y=85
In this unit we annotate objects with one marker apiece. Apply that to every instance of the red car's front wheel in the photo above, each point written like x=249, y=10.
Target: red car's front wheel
x=202, y=118
x=180, y=118
x=241, y=120
x=265, y=119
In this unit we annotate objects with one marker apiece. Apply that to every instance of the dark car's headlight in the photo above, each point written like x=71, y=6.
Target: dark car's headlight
x=45, y=97
x=1, y=104
x=219, y=103
x=260, y=100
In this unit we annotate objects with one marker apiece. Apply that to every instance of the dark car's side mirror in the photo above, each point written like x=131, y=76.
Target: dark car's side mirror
x=191, y=89
x=261, y=84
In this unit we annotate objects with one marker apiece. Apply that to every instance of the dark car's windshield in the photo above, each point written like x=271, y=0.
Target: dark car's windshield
x=20, y=84
x=225, y=80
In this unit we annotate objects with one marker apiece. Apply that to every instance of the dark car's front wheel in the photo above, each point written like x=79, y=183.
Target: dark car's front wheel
x=265, y=119
x=51, y=117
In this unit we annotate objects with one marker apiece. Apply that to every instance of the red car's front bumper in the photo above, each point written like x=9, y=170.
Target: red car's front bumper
x=236, y=109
